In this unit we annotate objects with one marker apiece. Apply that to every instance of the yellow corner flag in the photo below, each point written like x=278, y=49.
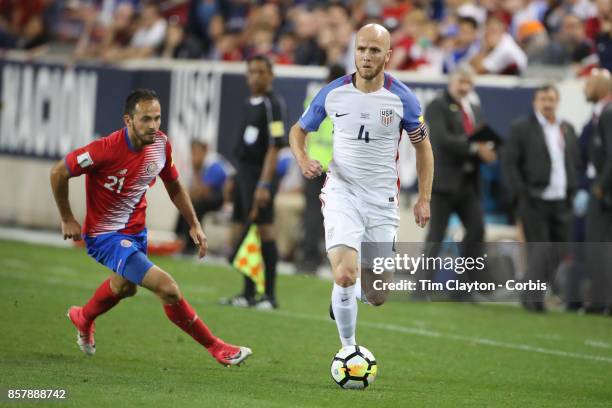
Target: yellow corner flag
x=248, y=258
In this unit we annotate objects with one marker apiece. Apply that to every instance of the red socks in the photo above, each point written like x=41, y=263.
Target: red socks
x=182, y=314
x=103, y=300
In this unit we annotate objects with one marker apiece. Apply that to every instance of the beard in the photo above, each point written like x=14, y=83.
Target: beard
x=372, y=73
x=144, y=138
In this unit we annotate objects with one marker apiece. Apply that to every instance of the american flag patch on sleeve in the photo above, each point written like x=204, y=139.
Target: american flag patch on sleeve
x=419, y=134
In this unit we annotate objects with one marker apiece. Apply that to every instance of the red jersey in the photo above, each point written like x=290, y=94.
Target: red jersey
x=118, y=176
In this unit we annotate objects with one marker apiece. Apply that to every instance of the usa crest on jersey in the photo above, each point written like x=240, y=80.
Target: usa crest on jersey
x=386, y=116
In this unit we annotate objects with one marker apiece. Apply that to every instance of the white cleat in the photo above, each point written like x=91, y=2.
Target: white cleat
x=229, y=355
x=241, y=357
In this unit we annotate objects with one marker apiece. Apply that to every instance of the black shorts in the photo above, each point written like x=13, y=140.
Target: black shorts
x=247, y=177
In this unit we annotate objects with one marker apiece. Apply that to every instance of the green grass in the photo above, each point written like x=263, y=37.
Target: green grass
x=438, y=354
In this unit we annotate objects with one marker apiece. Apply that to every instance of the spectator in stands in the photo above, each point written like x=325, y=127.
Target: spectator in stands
x=211, y=180
x=104, y=29
x=267, y=14
x=524, y=11
x=308, y=51
x=343, y=50
x=541, y=162
x=603, y=37
x=199, y=19
x=499, y=53
x=571, y=45
x=179, y=45
x=22, y=24
x=464, y=45
x=405, y=40
x=285, y=51
x=533, y=40
x=149, y=35
x=261, y=42
x=227, y=48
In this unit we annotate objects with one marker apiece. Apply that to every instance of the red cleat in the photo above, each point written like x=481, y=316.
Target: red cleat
x=228, y=354
x=85, y=332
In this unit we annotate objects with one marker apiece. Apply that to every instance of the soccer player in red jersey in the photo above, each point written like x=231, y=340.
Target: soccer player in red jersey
x=119, y=169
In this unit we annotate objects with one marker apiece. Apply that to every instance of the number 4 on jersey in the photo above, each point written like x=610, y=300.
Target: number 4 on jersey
x=363, y=134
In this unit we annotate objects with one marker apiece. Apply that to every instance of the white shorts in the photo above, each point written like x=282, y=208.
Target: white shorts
x=350, y=220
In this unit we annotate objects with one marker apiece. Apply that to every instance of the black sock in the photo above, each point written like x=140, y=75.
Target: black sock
x=270, y=256
x=249, y=288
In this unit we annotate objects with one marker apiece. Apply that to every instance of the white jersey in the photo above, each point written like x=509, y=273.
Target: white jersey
x=367, y=131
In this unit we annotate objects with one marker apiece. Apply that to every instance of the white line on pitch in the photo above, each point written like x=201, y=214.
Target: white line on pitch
x=458, y=337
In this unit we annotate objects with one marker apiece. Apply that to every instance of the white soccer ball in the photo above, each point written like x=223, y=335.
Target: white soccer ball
x=354, y=367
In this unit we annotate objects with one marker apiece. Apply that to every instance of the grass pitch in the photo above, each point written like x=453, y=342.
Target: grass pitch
x=430, y=354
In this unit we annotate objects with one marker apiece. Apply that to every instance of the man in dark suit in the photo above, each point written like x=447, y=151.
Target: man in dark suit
x=452, y=119
x=540, y=164
x=598, y=232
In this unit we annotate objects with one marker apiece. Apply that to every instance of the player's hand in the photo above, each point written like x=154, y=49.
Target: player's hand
x=261, y=197
x=199, y=239
x=421, y=212
x=71, y=229
x=311, y=168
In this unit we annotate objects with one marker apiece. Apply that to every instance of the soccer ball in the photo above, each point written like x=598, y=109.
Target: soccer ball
x=354, y=367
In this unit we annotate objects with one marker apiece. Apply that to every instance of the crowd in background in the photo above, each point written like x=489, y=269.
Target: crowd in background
x=493, y=36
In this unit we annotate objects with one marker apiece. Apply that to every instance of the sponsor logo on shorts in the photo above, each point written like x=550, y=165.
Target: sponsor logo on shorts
x=126, y=243
x=330, y=233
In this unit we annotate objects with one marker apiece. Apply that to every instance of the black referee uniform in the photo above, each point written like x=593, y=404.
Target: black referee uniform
x=263, y=125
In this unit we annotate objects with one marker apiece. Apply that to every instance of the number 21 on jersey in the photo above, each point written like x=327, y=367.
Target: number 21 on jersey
x=113, y=181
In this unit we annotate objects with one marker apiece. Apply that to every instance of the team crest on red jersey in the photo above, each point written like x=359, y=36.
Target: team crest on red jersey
x=386, y=116
x=151, y=169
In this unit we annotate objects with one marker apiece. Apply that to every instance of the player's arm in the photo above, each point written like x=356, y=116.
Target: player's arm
x=71, y=229
x=276, y=130
x=425, y=172
x=413, y=123
x=297, y=142
x=180, y=198
x=262, y=192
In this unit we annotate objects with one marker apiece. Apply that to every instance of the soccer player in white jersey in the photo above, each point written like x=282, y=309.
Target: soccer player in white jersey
x=369, y=109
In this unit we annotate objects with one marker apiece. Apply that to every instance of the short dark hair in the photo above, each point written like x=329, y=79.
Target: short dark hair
x=546, y=88
x=468, y=20
x=138, y=95
x=262, y=58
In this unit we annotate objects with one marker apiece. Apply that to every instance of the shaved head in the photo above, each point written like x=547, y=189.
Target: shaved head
x=377, y=33
x=372, y=51
x=598, y=85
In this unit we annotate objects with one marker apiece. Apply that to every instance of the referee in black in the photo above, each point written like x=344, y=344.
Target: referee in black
x=261, y=136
